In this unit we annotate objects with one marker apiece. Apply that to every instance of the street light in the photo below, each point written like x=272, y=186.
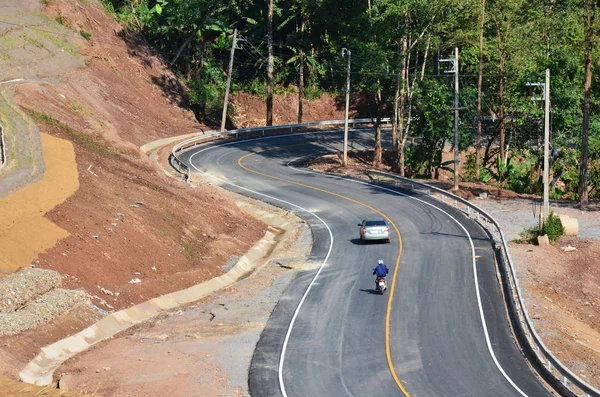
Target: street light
x=546, y=98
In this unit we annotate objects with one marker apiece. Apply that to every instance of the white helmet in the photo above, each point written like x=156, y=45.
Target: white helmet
x=380, y=262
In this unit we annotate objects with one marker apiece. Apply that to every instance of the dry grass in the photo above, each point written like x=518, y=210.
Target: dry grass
x=9, y=387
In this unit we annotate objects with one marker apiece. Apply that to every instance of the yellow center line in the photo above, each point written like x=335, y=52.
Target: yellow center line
x=393, y=286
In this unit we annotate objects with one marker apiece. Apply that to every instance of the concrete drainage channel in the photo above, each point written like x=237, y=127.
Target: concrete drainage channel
x=41, y=369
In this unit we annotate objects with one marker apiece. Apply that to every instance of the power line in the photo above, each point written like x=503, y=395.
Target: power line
x=255, y=49
x=253, y=55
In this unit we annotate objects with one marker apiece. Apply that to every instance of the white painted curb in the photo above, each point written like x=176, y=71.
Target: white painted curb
x=41, y=369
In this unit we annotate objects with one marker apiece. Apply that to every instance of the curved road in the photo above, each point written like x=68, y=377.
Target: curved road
x=440, y=330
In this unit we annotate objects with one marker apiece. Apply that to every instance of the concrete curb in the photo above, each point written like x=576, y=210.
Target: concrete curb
x=41, y=369
x=150, y=146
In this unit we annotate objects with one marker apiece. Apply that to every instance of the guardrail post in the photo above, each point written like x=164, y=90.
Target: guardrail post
x=189, y=176
x=263, y=132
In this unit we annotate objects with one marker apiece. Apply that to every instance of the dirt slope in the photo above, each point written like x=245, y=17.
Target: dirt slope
x=107, y=96
x=126, y=220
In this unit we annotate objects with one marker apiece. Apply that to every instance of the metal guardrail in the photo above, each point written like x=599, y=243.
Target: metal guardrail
x=554, y=372
x=557, y=374
x=254, y=131
x=2, y=148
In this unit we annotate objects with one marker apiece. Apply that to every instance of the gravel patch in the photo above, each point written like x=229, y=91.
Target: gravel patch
x=17, y=289
x=518, y=214
x=39, y=311
x=33, y=297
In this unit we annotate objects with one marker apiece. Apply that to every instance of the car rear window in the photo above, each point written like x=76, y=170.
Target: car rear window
x=375, y=223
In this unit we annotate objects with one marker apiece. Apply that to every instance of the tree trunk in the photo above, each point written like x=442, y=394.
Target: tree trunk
x=590, y=14
x=395, y=111
x=181, y=48
x=410, y=93
x=270, y=63
x=301, y=76
x=300, y=85
x=377, y=152
x=500, y=98
x=425, y=57
x=401, y=102
x=479, y=89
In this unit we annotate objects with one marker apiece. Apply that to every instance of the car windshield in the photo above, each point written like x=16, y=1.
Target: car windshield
x=375, y=223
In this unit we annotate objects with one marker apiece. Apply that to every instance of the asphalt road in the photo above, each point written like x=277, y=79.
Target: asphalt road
x=440, y=329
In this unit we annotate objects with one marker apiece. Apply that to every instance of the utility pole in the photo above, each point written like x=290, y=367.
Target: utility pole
x=345, y=157
x=456, y=149
x=226, y=100
x=454, y=69
x=546, y=98
x=270, y=62
x=546, y=207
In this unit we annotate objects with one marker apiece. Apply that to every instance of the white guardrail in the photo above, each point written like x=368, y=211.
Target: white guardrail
x=251, y=132
x=2, y=148
x=554, y=372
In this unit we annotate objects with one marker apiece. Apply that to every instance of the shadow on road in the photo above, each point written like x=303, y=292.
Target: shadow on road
x=370, y=291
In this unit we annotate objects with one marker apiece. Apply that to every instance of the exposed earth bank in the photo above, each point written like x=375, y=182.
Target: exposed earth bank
x=128, y=232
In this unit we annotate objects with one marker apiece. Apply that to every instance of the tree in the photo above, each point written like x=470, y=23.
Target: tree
x=590, y=28
x=479, y=91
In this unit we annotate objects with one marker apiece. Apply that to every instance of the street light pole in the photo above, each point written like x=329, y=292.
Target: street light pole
x=345, y=156
x=546, y=98
x=456, y=104
x=546, y=207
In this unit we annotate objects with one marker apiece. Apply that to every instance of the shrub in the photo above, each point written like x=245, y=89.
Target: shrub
x=63, y=20
x=552, y=227
x=85, y=35
x=312, y=92
x=528, y=236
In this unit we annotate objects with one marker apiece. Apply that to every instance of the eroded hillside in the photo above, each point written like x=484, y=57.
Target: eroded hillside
x=126, y=220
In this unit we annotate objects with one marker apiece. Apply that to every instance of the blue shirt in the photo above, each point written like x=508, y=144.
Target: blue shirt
x=381, y=270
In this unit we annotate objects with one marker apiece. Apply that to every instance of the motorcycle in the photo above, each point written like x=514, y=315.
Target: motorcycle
x=380, y=285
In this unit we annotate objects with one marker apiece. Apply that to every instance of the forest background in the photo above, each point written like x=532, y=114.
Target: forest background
x=396, y=48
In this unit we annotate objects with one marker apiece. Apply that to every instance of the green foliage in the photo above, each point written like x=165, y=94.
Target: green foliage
x=205, y=94
x=63, y=20
x=85, y=35
x=435, y=123
x=552, y=227
x=528, y=236
x=194, y=37
x=312, y=92
x=556, y=193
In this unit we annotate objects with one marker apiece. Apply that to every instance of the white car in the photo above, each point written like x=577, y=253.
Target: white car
x=375, y=229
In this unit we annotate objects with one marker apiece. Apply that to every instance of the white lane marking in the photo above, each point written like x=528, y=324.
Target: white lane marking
x=292, y=322
x=484, y=324
x=482, y=316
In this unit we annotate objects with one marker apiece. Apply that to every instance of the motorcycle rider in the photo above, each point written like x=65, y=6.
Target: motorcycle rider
x=380, y=271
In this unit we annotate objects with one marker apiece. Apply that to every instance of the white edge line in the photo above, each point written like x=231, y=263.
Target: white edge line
x=484, y=324
x=293, y=320
x=482, y=316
